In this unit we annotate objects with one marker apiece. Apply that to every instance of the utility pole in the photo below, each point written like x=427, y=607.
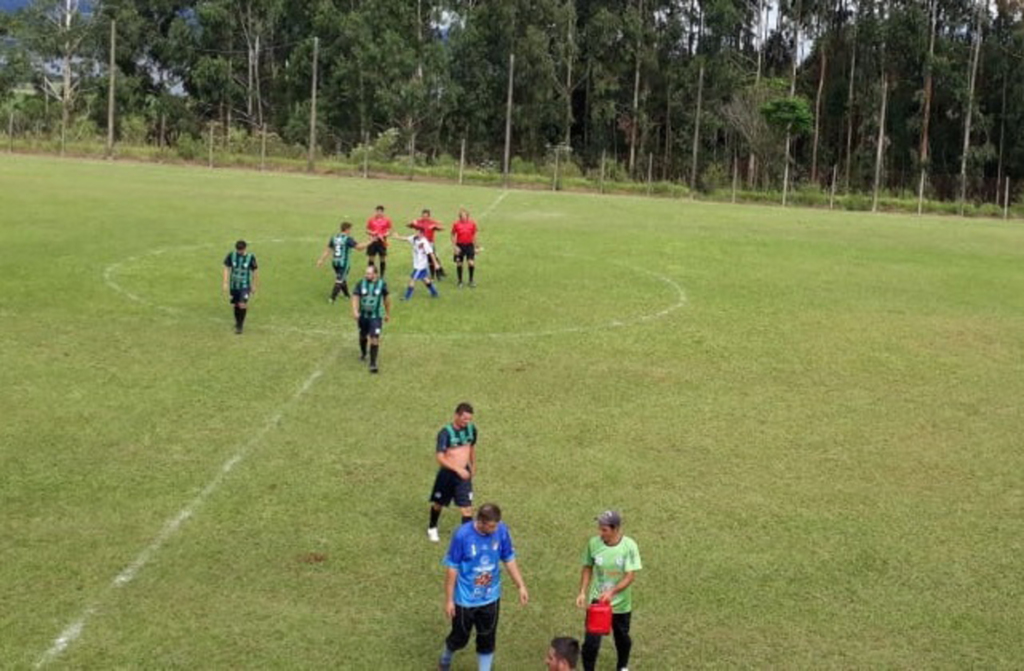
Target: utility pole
x=110, y=90
x=508, y=117
x=312, y=110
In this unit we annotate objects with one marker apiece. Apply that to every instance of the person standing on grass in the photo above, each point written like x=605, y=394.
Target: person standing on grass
x=472, y=584
x=421, y=252
x=563, y=653
x=428, y=227
x=379, y=228
x=456, y=456
x=241, y=278
x=464, y=232
x=371, y=307
x=340, y=246
x=610, y=562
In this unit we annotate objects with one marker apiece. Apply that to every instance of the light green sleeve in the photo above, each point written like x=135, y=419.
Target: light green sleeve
x=633, y=562
x=587, y=558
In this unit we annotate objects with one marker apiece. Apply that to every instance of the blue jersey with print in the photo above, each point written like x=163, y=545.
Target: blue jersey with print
x=477, y=558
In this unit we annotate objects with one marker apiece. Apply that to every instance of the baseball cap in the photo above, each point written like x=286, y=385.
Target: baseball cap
x=610, y=518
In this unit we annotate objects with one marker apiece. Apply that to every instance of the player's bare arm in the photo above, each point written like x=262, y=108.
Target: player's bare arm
x=387, y=308
x=517, y=578
x=585, y=575
x=620, y=586
x=449, y=592
x=355, y=306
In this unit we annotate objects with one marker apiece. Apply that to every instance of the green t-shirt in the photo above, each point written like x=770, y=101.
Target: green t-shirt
x=611, y=563
x=371, y=298
x=341, y=244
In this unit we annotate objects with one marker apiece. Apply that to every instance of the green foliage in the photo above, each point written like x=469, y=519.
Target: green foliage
x=789, y=114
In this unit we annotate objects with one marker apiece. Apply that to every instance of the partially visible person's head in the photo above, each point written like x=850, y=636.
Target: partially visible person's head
x=487, y=518
x=346, y=226
x=563, y=653
x=425, y=214
x=379, y=209
x=240, y=246
x=463, y=214
x=371, y=272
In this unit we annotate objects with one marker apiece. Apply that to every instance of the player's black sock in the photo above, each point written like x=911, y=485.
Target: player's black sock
x=241, y=316
x=383, y=267
x=458, y=269
x=373, y=354
x=362, y=345
x=337, y=290
x=467, y=518
x=471, y=269
x=238, y=316
x=435, y=515
x=344, y=289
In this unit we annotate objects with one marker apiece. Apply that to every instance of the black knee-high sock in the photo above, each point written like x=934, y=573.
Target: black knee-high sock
x=344, y=289
x=435, y=515
x=338, y=288
x=373, y=354
x=241, y=315
x=383, y=267
x=362, y=345
x=238, y=316
x=471, y=269
x=458, y=269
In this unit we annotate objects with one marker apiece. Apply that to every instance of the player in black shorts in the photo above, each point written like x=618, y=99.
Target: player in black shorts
x=456, y=454
x=371, y=307
x=241, y=278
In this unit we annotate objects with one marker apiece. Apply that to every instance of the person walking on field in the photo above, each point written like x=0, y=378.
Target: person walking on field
x=371, y=307
x=456, y=456
x=472, y=584
x=429, y=228
x=241, y=278
x=610, y=562
x=464, y=245
x=379, y=228
x=421, y=253
x=340, y=246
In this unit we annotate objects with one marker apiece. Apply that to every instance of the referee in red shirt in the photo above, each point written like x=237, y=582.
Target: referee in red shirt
x=464, y=233
x=429, y=227
x=379, y=228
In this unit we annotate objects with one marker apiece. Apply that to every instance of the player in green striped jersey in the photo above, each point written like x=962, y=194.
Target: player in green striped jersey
x=340, y=247
x=241, y=278
x=371, y=307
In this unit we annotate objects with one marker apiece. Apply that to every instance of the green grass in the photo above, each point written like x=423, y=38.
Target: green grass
x=818, y=452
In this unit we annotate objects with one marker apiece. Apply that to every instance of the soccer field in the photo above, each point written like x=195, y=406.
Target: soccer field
x=810, y=420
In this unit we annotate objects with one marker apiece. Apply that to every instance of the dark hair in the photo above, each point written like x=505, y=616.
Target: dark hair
x=566, y=649
x=463, y=407
x=345, y=225
x=425, y=211
x=379, y=207
x=240, y=245
x=489, y=512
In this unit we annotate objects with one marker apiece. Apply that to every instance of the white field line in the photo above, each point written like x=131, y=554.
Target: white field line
x=73, y=631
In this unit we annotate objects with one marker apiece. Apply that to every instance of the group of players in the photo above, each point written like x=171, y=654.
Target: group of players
x=481, y=543
x=370, y=298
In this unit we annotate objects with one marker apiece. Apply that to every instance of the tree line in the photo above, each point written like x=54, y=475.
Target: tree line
x=906, y=97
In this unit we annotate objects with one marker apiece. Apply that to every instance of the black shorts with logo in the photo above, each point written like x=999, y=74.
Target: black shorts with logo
x=240, y=296
x=370, y=326
x=482, y=618
x=465, y=251
x=377, y=248
x=448, y=486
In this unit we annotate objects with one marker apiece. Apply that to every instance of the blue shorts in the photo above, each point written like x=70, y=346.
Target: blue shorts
x=419, y=274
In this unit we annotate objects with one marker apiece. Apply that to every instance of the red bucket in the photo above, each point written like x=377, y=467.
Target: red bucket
x=599, y=619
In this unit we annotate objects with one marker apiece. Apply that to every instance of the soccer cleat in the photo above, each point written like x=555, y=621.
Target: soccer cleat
x=373, y=368
x=362, y=357
x=472, y=285
x=433, y=535
x=459, y=285
x=330, y=299
x=441, y=666
x=238, y=330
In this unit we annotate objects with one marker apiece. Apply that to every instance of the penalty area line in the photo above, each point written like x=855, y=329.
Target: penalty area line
x=70, y=634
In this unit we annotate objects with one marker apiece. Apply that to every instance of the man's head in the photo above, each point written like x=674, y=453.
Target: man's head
x=371, y=272
x=346, y=226
x=463, y=415
x=463, y=214
x=240, y=246
x=379, y=210
x=425, y=214
x=563, y=653
x=487, y=518
x=609, y=526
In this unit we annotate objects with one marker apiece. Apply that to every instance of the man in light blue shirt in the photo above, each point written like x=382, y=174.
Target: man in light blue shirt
x=473, y=584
